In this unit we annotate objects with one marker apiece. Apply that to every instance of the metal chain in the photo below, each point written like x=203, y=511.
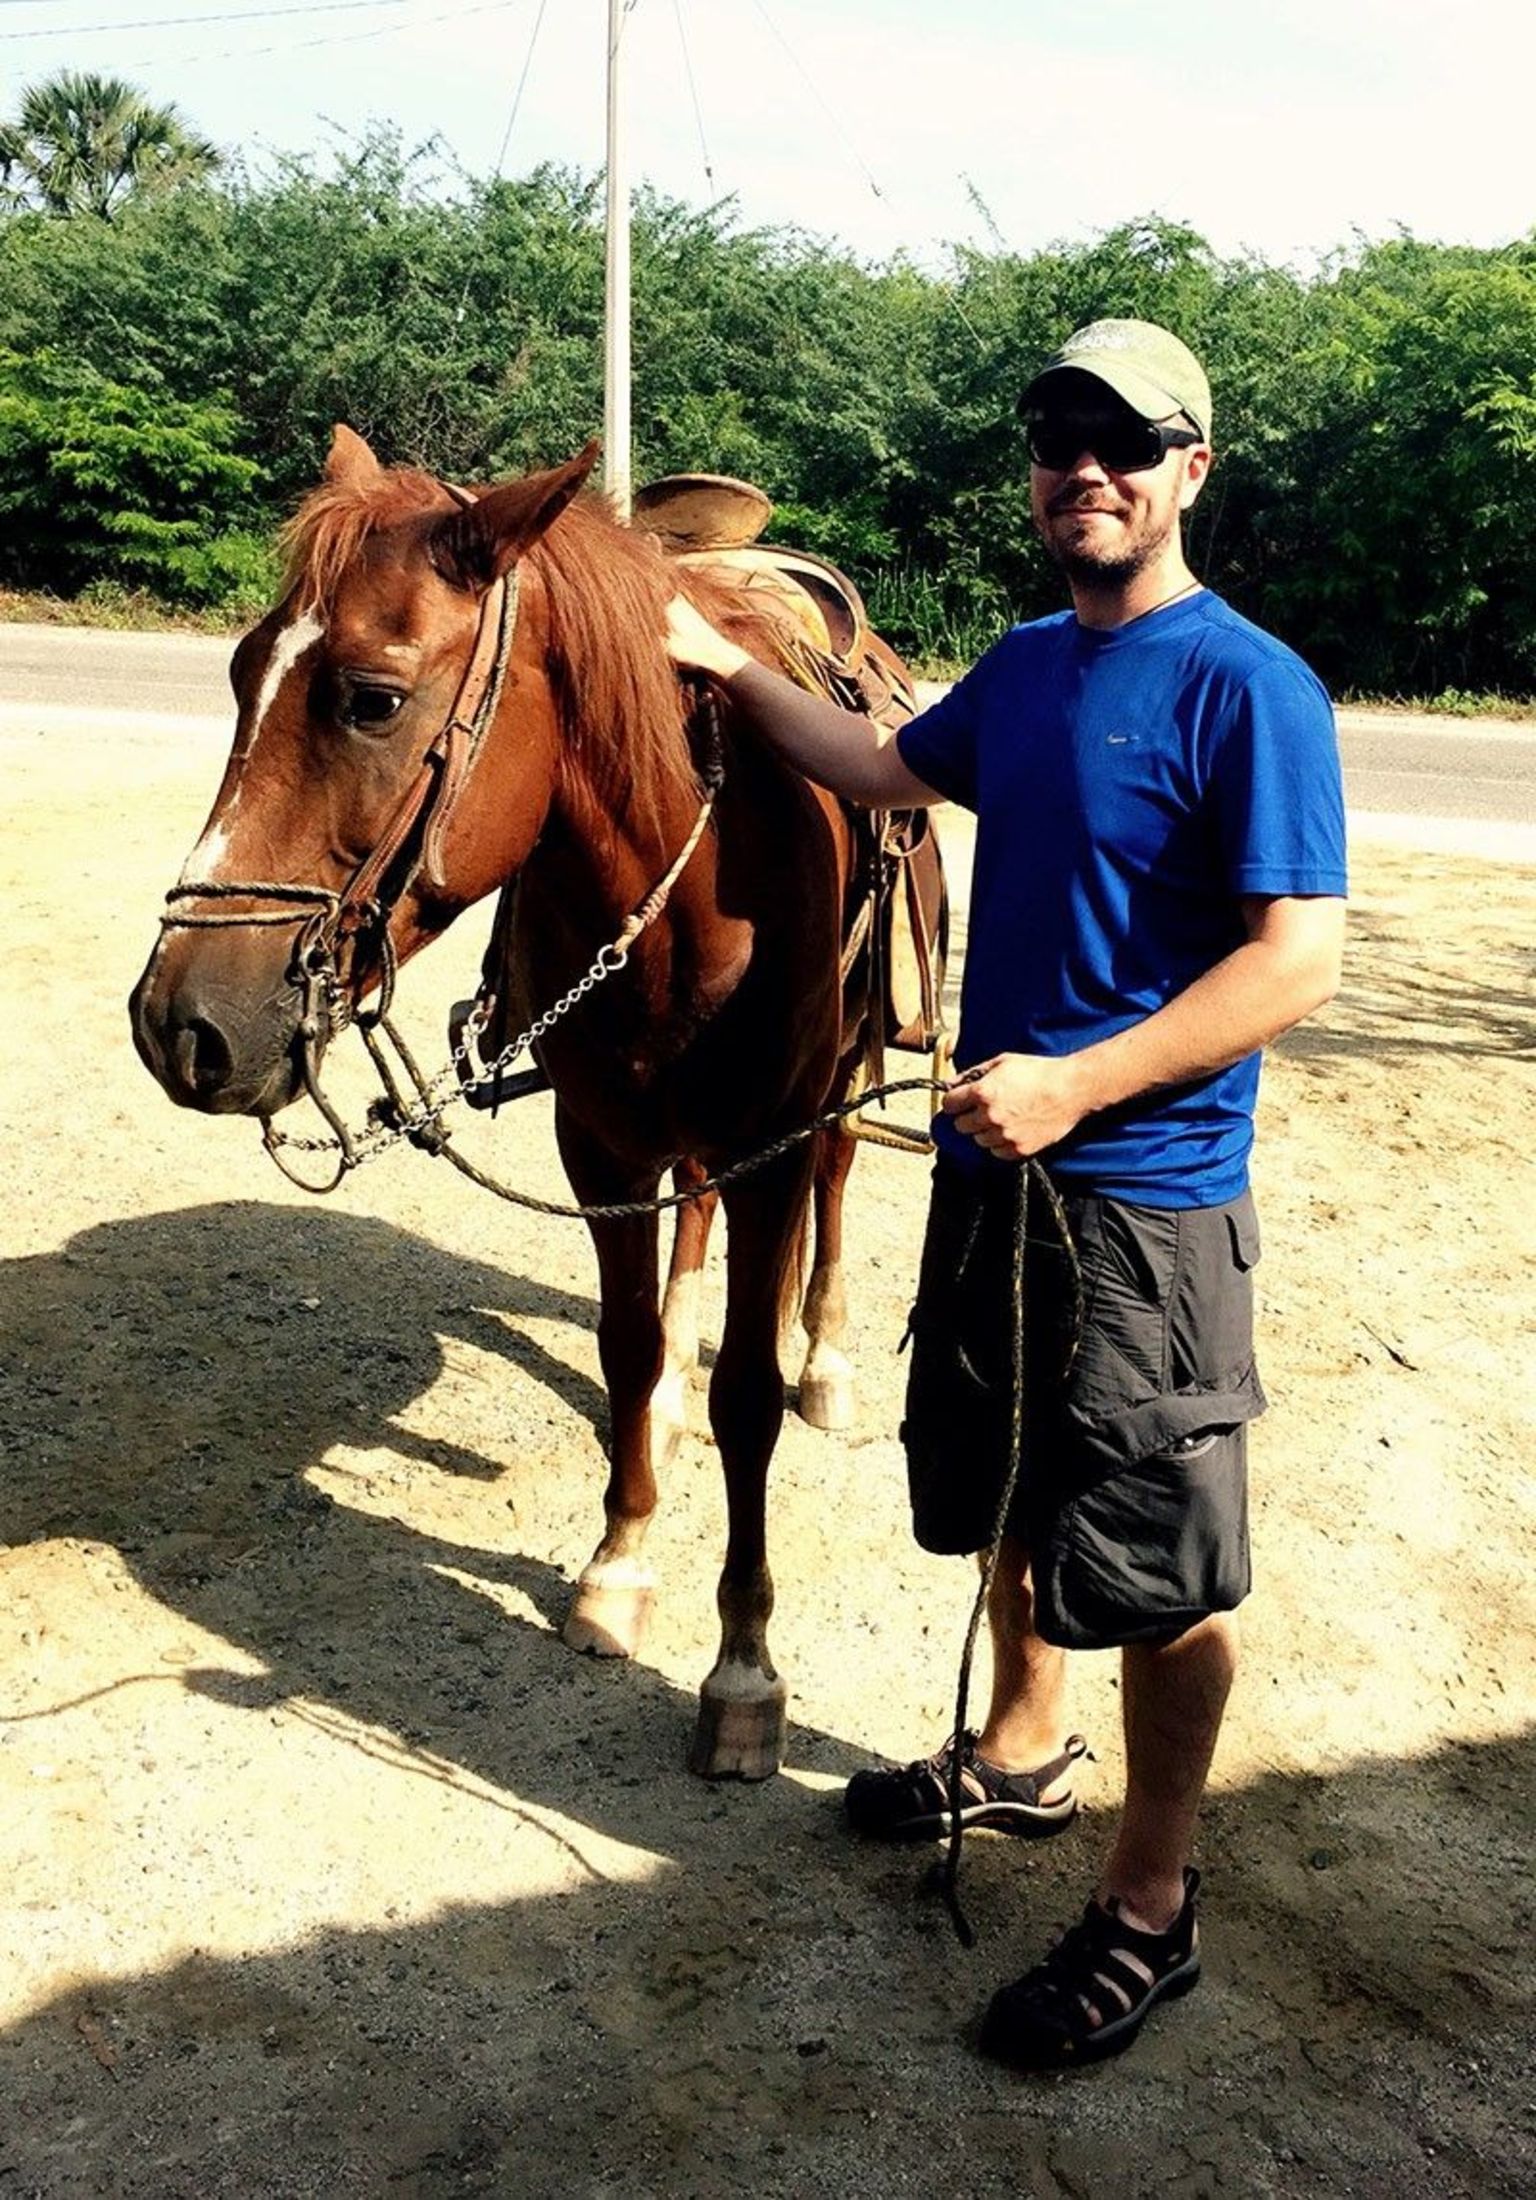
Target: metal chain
x=435, y=1103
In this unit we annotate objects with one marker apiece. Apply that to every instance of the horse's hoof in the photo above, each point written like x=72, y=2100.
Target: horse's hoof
x=607, y=1619
x=826, y=1401
x=739, y=1737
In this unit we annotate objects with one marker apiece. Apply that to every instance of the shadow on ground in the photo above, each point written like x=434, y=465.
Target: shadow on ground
x=169, y=1382
x=1397, y=1000
x=781, y=2011
x=774, y=2006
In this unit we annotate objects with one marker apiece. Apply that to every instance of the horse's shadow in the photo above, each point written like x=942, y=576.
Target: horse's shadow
x=169, y=1385
x=776, y=2012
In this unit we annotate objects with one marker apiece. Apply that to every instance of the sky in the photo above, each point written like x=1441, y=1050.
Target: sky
x=1286, y=129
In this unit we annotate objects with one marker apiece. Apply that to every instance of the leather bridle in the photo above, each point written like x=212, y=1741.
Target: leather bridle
x=424, y=810
x=410, y=849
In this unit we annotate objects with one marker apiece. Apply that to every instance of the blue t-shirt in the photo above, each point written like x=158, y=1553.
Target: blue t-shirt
x=1130, y=787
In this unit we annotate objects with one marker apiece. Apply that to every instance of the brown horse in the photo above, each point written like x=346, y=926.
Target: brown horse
x=377, y=787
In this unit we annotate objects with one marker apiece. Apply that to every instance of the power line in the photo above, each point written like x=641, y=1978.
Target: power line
x=517, y=96
x=693, y=92
x=477, y=258
x=168, y=22
x=815, y=91
x=305, y=45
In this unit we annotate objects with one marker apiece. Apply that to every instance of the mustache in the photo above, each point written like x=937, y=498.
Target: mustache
x=1076, y=500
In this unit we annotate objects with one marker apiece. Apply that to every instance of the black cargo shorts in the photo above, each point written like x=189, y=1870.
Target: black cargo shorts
x=1133, y=1499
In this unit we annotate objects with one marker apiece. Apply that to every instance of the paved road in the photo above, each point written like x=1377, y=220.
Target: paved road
x=1399, y=769
x=46, y=670
x=1440, y=767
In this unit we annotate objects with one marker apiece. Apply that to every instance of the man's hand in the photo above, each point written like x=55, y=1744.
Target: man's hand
x=840, y=749
x=1017, y=1104
x=699, y=647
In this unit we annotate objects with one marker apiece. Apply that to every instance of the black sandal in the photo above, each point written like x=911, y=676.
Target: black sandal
x=1091, y=1995
x=912, y=1804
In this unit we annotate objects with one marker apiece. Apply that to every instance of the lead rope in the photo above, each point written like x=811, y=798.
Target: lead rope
x=434, y=1138
x=943, y=1877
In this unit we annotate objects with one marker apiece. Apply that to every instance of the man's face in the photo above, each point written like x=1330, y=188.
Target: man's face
x=1103, y=527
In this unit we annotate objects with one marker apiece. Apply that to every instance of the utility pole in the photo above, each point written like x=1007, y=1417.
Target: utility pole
x=616, y=427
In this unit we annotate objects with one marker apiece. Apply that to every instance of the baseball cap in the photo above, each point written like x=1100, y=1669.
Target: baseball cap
x=1142, y=363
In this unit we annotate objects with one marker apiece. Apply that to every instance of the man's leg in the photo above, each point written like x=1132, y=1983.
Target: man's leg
x=1137, y=1941
x=1026, y=1720
x=1018, y=1773
x=1174, y=1695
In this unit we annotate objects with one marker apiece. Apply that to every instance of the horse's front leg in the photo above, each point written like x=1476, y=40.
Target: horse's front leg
x=826, y=1379
x=680, y=1315
x=617, y=1587
x=740, y=1730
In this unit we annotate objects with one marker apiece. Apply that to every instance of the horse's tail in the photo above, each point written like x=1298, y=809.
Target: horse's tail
x=796, y=1253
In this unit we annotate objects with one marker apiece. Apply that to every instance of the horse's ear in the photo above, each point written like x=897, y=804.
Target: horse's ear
x=350, y=464
x=475, y=546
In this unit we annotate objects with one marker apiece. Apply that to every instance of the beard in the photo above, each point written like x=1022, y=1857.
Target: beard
x=1112, y=565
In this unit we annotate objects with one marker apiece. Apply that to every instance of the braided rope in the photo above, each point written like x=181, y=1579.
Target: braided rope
x=626, y=1209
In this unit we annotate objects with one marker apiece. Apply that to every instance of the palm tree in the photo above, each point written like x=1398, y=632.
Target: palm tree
x=82, y=144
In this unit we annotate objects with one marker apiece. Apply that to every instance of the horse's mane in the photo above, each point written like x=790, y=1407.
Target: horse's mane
x=327, y=532
x=621, y=705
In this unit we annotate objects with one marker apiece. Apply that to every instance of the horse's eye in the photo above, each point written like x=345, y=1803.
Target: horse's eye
x=367, y=707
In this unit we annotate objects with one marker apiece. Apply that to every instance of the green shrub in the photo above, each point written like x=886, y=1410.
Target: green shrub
x=99, y=480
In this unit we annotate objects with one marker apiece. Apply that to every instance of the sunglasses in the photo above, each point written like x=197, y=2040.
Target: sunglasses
x=1123, y=443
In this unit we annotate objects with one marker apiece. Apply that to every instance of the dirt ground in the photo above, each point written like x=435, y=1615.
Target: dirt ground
x=328, y=1871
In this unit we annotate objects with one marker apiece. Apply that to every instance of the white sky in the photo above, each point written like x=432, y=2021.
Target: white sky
x=1284, y=128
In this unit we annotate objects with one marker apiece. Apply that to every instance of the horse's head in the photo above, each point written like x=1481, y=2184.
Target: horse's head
x=338, y=843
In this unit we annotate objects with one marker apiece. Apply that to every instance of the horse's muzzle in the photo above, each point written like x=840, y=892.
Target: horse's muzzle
x=222, y=1047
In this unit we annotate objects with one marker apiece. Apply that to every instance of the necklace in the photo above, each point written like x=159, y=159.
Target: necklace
x=1120, y=625
x=1178, y=595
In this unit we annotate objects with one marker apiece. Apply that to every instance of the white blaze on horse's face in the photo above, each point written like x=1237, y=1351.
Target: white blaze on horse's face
x=299, y=635
x=292, y=643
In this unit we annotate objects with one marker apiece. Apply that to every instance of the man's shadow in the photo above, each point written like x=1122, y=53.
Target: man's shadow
x=169, y=1382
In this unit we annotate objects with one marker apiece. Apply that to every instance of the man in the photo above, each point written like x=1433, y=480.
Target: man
x=1158, y=893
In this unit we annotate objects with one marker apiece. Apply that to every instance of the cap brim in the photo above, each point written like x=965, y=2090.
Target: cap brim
x=1139, y=391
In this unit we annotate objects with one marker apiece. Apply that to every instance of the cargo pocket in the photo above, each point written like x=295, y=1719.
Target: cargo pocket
x=1210, y=1325
x=1154, y=1376
x=1152, y=1530
x=1128, y=1258
x=1148, y=1549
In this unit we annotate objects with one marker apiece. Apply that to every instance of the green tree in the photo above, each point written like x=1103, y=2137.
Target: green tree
x=81, y=144
x=103, y=482
x=1376, y=419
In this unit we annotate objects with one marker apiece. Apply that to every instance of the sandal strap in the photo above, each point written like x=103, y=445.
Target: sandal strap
x=1026, y=1787
x=1101, y=1954
x=1092, y=1992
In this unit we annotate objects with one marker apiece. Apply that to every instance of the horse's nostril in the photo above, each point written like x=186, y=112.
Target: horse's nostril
x=203, y=1059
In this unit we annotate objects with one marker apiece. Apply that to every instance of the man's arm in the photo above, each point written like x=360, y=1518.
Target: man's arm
x=839, y=748
x=1019, y=1104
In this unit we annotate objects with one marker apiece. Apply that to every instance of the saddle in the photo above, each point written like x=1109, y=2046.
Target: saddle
x=712, y=522
x=896, y=923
